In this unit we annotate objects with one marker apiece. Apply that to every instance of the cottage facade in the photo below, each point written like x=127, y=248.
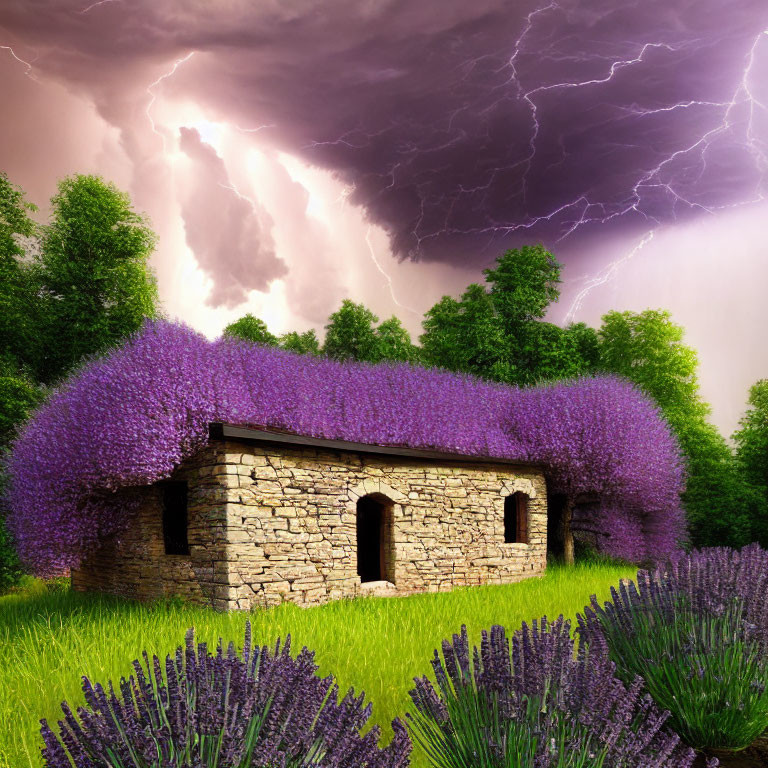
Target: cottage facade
x=258, y=517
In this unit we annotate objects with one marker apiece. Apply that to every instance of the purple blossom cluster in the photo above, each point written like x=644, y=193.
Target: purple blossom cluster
x=696, y=630
x=541, y=704
x=129, y=418
x=261, y=709
x=704, y=583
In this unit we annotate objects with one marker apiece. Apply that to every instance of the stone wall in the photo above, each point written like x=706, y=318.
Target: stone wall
x=134, y=564
x=268, y=524
x=291, y=523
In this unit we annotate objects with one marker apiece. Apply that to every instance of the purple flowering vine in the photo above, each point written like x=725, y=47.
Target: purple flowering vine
x=130, y=418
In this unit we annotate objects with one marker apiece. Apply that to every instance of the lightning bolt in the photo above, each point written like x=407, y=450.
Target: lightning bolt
x=383, y=272
x=659, y=178
x=606, y=274
x=28, y=65
x=96, y=5
x=234, y=189
x=257, y=129
x=343, y=196
x=659, y=193
x=153, y=95
x=756, y=147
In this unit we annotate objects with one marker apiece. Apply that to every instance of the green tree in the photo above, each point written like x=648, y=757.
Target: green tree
x=18, y=302
x=252, y=329
x=18, y=336
x=350, y=333
x=467, y=336
x=752, y=436
x=648, y=348
x=498, y=332
x=93, y=277
x=586, y=347
x=523, y=284
x=69, y=289
x=305, y=343
x=549, y=352
x=18, y=397
x=751, y=441
x=393, y=342
x=442, y=344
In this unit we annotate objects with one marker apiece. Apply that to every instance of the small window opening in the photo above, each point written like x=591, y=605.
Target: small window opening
x=516, y=519
x=175, y=518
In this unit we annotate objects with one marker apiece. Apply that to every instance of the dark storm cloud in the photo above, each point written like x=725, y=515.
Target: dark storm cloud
x=229, y=234
x=460, y=126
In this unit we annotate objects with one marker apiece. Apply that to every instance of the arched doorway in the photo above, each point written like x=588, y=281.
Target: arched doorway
x=374, y=538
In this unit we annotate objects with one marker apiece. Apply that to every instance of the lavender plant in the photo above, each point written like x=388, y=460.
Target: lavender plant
x=538, y=707
x=255, y=709
x=696, y=630
x=130, y=418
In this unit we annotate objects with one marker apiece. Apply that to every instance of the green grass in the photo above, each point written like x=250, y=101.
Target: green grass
x=48, y=639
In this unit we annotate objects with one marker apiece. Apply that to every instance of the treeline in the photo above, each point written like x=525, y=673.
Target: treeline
x=81, y=284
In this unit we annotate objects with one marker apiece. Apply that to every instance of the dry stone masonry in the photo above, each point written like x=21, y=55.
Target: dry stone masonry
x=271, y=522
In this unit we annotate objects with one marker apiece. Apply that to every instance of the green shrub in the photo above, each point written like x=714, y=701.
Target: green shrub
x=10, y=569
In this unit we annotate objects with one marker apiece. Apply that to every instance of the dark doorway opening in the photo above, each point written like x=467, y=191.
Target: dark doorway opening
x=373, y=525
x=556, y=503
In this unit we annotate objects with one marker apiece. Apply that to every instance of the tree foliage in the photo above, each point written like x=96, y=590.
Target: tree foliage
x=550, y=352
x=18, y=304
x=523, y=284
x=350, y=333
x=252, y=329
x=393, y=342
x=19, y=396
x=648, y=348
x=467, y=336
x=68, y=290
x=751, y=441
x=497, y=331
x=95, y=284
x=752, y=436
x=305, y=343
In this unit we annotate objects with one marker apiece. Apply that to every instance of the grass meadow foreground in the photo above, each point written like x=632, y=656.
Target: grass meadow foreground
x=48, y=640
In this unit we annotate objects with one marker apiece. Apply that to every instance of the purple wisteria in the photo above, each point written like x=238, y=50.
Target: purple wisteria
x=199, y=710
x=130, y=418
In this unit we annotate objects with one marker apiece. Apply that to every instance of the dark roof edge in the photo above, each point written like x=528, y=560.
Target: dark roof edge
x=219, y=431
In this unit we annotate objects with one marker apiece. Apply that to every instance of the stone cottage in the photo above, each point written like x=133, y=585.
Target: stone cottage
x=260, y=516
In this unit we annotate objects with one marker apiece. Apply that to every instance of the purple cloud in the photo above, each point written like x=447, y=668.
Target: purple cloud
x=475, y=127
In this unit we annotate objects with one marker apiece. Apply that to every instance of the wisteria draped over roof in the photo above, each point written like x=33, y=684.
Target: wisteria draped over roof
x=130, y=418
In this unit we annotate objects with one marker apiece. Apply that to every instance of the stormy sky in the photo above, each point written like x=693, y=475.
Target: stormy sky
x=291, y=154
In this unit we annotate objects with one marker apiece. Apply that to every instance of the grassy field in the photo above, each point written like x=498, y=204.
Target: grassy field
x=378, y=645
